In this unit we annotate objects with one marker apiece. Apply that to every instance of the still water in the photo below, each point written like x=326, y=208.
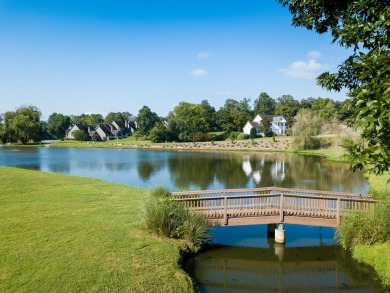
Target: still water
x=190, y=170
x=244, y=259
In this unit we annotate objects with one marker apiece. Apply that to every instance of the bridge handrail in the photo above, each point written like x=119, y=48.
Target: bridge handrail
x=270, y=190
x=369, y=200
x=225, y=205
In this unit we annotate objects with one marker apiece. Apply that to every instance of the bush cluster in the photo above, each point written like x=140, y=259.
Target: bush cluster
x=242, y=136
x=365, y=228
x=169, y=218
x=200, y=136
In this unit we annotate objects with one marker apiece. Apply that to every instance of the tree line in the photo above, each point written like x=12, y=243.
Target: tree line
x=186, y=122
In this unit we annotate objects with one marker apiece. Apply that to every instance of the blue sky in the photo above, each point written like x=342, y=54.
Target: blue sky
x=100, y=56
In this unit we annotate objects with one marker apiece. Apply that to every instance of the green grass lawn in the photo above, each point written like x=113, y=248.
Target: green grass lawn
x=69, y=234
x=377, y=255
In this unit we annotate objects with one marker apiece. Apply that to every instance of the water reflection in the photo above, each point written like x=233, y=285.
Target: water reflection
x=186, y=170
x=287, y=170
x=247, y=259
x=280, y=269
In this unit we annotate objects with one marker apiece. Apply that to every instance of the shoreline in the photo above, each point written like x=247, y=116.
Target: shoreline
x=373, y=180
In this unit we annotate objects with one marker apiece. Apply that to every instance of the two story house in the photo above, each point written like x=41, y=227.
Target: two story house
x=278, y=124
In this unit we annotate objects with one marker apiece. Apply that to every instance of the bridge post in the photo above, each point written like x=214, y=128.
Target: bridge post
x=225, y=218
x=279, y=234
x=338, y=212
x=281, y=209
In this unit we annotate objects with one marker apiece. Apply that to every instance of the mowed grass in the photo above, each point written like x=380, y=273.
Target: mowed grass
x=62, y=233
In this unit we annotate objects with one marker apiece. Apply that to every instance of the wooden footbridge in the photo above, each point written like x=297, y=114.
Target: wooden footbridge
x=274, y=205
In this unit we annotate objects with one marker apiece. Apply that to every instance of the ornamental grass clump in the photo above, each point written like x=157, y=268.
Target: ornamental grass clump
x=169, y=218
x=365, y=228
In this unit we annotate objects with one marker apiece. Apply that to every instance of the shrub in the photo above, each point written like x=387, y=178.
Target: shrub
x=253, y=134
x=80, y=135
x=200, y=136
x=233, y=135
x=242, y=136
x=219, y=137
x=137, y=135
x=365, y=228
x=160, y=133
x=169, y=218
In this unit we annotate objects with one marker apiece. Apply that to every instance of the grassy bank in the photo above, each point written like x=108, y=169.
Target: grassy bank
x=69, y=234
x=377, y=255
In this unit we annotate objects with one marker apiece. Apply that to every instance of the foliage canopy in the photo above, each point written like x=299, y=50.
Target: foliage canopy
x=22, y=125
x=363, y=26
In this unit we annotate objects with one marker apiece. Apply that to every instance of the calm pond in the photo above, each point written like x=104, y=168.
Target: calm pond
x=245, y=260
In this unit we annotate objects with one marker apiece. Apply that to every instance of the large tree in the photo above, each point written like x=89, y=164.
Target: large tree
x=210, y=114
x=325, y=108
x=265, y=127
x=23, y=124
x=117, y=116
x=307, y=103
x=287, y=106
x=3, y=131
x=57, y=124
x=233, y=115
x=364, y=27
x=94, y=119
x=187, y=119
x=264, y=105
x=308, y=126
x=146, y=120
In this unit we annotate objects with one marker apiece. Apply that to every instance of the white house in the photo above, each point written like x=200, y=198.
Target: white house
x=90, y=130
x=278, y=124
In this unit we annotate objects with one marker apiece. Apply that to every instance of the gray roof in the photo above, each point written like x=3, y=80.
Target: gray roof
x=120, y=124
x=106, y=129
x=254, y=124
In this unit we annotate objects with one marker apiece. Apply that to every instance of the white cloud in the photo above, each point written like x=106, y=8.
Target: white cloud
x=304, y=69
x=198, y=72
x=204, y=55
x=313, y=54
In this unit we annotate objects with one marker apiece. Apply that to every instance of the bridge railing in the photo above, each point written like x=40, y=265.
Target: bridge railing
x=265, y=203
x=267, y=190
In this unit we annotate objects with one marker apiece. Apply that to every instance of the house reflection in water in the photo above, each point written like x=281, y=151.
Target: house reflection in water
x=275, y=169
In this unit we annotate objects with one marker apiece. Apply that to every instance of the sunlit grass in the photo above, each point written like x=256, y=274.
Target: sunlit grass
x=71, y=234
x=333, y=152
x=377, y=254
x=380, y=185
x=378, y=257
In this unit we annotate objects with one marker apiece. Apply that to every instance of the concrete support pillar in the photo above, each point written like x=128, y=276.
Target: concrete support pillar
x=279, y=234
